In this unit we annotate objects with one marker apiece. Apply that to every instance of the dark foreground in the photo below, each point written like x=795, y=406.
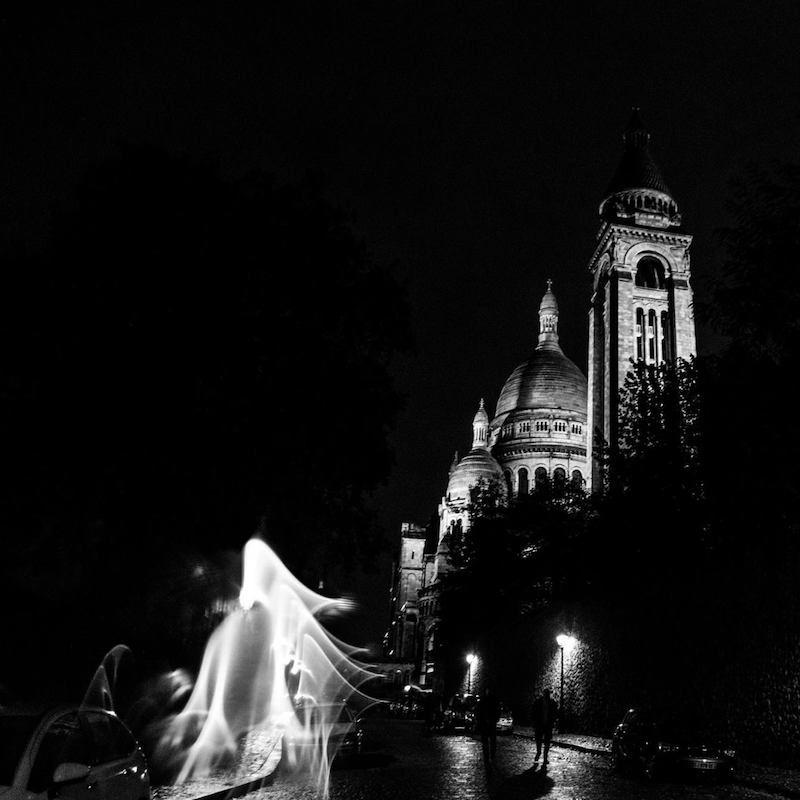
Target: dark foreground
x=399, y=763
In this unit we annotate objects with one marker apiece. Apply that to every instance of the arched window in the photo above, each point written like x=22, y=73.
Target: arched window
x=559, y=478
x=666, y=344
x=651, y=335
x=577, y=479
x=650, y=273
x=522, y=482
x=540, y=477
x=507, y=476
x=639, y=334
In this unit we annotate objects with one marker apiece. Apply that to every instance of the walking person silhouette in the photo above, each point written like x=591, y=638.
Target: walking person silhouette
x=545, y=711
x=487, y=713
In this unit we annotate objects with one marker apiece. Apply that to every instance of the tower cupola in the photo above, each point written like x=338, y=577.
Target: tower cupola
x=480, y=428
x=638, y=194
x=548, y=318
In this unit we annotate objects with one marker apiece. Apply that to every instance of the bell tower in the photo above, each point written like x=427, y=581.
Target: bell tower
x=641, y=306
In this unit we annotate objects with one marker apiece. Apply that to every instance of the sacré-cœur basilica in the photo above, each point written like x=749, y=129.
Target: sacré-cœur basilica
x=547, y=410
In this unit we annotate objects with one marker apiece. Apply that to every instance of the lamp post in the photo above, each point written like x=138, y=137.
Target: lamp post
x=564, y=641
x=470, y=659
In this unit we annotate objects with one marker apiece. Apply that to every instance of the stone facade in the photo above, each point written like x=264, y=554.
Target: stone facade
x=641, y=305
x=402, y=640
x=547, y=411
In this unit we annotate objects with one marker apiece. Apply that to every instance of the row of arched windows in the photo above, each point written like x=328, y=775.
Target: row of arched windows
x=541, y=479
x=651, y=203
x=653, y=342
x=541, y=426
x=646, y=202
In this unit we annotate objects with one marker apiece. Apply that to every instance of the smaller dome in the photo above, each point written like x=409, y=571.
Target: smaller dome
x=478, y=463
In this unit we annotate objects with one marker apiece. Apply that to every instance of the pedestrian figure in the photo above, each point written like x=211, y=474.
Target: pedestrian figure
x=545, y=711
x=433, y=710
x=487, y=712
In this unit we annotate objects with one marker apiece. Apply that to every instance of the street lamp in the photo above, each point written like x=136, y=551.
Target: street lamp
x=470, y=659
x=564, y=642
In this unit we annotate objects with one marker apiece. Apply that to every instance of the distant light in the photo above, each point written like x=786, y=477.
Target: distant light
x=470, y=657
x=566, y=642
x=407, y=687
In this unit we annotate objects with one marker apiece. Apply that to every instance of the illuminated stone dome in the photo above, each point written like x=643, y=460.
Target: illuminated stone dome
x=548, y=379
x=478, y=463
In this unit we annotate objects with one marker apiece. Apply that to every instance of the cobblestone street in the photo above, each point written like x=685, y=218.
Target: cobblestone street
x=399, y=763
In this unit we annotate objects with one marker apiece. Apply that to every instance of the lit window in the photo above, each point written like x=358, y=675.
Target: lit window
x=651, y=335
x=639, y=334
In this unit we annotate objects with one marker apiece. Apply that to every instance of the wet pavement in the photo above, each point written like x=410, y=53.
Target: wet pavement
x=400, y=763
x=257, y=758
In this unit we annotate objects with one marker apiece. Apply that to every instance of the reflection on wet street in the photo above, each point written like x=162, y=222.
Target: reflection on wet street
x=400, y=763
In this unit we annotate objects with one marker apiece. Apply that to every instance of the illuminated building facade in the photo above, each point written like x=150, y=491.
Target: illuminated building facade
x=641, y=306
x=641, y=309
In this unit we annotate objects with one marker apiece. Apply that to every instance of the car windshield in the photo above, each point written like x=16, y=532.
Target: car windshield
x=15, y=731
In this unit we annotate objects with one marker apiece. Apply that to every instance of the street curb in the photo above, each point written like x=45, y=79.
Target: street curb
x=566, y=745
x=747, y=783
x=240, y=790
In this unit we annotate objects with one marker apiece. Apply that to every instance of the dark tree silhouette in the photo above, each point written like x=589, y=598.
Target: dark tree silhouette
x=748, y=427
x=513, y=561
x=191, y=359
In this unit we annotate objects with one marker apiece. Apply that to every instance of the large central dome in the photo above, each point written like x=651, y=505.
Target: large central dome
x=548, y=379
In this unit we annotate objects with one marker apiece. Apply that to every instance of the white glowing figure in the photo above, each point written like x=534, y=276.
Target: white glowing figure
x=263, y=661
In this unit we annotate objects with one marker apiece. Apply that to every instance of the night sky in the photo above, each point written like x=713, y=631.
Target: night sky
x=472, y=141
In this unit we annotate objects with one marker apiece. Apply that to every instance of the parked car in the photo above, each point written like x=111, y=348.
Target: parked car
x=659, y=746
x=460, y=713
x=505, y=722
x=70, y=753
x=334, y=725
